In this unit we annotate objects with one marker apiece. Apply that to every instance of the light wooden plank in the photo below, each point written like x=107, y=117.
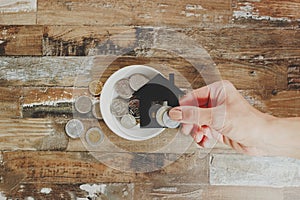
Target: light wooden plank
x=138, y=13
x=18, y=12
x=242, y=170
x=32, y=134
x=21, y=40
x=273, y=10
x=195, y=192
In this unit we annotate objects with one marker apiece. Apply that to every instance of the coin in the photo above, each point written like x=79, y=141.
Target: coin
x=74, y=128
x=119, y=107
x=128, y=121
x=94, y=136
x=83, y=104
x=123, y=88
x=159, y=115
x=137, y=81
x=96, y=110
x=133, y=106
x=168, y=122
x=95, y=87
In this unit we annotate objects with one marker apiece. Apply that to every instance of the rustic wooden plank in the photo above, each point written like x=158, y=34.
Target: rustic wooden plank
x=294, y=76
x=195, y=192
x=21, y=40
x=10, y=102
x=254, y=171
x=78, y=71
x=32, y=134
x=139, y=13
x=64, y=168
x=18, y=12
x=273, y=10
x=72, y=191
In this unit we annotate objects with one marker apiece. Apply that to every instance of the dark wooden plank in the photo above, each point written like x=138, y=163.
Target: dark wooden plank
x=138, y=13
x=294, y=76
x=10, y=99
x=18, y=12
x=64, y=168
x=71, y=191
x=21, y=40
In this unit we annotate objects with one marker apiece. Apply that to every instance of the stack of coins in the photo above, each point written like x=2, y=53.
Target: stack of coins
x=126, y=107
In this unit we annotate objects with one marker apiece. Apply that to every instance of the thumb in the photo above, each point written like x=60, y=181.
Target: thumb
x=201, y=116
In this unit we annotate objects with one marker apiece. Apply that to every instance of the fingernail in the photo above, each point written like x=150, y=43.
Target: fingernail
x=175, y=114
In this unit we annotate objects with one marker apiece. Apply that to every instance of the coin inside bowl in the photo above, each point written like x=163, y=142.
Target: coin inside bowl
x=109, y=93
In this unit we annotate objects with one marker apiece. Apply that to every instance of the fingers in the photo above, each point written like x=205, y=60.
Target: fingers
x=213, y=117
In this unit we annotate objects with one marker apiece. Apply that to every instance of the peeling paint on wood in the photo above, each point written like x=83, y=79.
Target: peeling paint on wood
x=254, y=171
x=274, y=10
x=18, y=6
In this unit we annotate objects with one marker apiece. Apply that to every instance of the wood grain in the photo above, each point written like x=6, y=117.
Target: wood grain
x=195, y=192
x=249, y=171
x=136, y=13
x=10, y=102
x=274, y=10
x=75, y=167
x=18, y=12
x=77, y=71
x=21, y=40
x=294, y=76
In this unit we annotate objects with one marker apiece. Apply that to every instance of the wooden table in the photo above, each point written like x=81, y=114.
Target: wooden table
x=46, y=44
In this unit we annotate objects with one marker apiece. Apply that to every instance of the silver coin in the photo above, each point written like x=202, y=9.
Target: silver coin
x=134, y=109
x=128, y=121
x=137, y=81
x=123, y=88
x=94, y=136
x=83, y=104
x=119, y=107
x=96, y=110
x=160, y=113
x=74, y=128
x=168, y=122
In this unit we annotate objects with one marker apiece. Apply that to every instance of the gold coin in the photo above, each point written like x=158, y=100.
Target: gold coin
x=95, y=87
x=94, y=136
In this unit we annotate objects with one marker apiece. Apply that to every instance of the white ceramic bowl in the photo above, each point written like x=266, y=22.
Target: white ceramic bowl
x=108, y=94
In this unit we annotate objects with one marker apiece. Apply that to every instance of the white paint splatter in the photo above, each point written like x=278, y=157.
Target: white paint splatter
x=46, y=190
x=2, y=196
x=94, y=189
x=194, y=7
x=247, y=12
x=166, y=189
x=48, y=103
x=13, y=6
x=29, y=198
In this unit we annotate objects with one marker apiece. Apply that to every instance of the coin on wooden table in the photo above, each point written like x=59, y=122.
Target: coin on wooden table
x=128, y=121
x=95, y=87
x=123, y=88
x=96, y=110
x=134, y=109
x=160, y=113
x=119, y=107
x=83, y=104
x=94, y=136
x=137, y=81
x=168, y=122
x=74, y=128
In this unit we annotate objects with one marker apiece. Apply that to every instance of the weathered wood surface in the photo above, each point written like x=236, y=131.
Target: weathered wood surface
x=138, y=13
x=16, y=12
x=254, y=171
x=254, y=43
x=79, y=71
